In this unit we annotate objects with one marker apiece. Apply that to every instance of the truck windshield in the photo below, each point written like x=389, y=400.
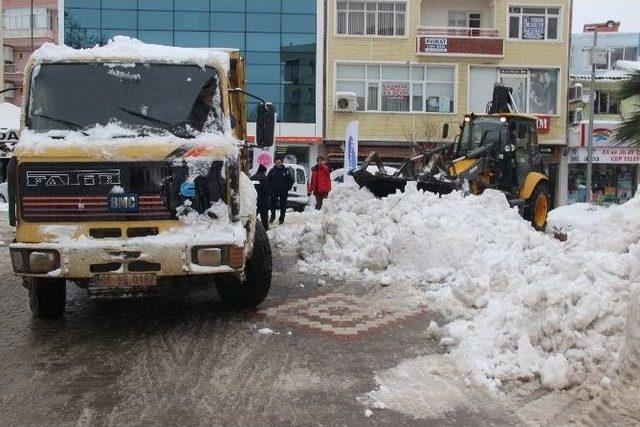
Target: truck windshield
x=474, y=131
x=181, y=99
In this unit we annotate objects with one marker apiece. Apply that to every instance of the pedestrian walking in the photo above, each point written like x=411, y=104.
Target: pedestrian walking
x=264, y=195
x=280, y=182
x=320, y=184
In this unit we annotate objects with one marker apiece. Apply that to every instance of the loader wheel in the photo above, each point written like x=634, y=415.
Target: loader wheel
x=257, y=270
x=538, y=208
x=47, y=297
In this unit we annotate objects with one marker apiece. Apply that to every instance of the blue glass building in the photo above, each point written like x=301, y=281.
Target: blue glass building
x=277, y=37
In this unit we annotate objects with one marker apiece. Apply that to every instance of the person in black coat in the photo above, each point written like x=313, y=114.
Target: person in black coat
x=262, y=188
x=280, y=182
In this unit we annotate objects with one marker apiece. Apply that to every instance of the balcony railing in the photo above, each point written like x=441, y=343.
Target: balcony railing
x=26, y=33
x=10, y=68
x=458, y=31
x=459, y=41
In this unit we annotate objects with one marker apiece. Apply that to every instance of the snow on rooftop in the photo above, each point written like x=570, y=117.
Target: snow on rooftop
x=127, y=49
x=628, y=65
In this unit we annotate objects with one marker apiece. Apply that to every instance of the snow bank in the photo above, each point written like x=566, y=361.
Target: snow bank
x=521, y=305
x=127, y=49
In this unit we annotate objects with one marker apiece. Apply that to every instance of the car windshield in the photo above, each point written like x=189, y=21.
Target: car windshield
x=473, y=132
x=181, y=99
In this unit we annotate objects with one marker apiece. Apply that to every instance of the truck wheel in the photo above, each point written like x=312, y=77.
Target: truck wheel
x=257, y=270
x=538, y=206
x=47, y=297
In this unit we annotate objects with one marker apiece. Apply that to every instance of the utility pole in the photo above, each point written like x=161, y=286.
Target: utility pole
x=32, y=20
x=592, y=106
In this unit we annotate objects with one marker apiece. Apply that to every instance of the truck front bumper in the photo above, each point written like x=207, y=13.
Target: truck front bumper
x=114, y=256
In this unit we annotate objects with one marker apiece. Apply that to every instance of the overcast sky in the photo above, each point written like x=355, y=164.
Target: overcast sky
x=591, y=11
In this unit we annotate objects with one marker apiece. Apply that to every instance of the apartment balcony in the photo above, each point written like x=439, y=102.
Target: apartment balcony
x=22, y=38
x=458, y=29
x=10, y=68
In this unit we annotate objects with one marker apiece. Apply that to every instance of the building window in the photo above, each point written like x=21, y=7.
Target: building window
x=399, y=88
x=534, y=23
x=606, y=103
x=20, y=18
x=465, y=19
x=535, y=91
x=371, y=18
x=627, y=53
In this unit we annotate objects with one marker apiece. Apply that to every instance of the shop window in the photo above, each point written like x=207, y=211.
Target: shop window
x=381, y=18
x=611, y=184
x=399, y=88
x=535, y=91
x=534, y=23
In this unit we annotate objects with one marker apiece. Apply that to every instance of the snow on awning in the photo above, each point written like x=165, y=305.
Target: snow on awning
x=628, y=65
x=127, y=49
x=607, y=76
x=9, y=116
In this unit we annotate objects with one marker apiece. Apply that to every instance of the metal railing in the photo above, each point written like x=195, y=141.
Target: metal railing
x=10, y=68
x=26, y=33
x=458, y=32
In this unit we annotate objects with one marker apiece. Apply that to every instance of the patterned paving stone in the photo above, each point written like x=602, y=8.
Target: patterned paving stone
x=341, y=315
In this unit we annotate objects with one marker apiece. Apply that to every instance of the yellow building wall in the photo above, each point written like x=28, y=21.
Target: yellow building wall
x=405, y=126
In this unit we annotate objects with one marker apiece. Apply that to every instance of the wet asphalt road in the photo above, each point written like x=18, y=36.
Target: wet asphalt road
x=182, y=358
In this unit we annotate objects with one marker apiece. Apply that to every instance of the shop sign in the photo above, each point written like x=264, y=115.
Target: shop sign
x=545, y=149
x=533, y=27
x=436, y=45
x=8, y=135
x=602, y=134
x=514, y=71
x=606, y=155
x=544, y=124
x=395, y=90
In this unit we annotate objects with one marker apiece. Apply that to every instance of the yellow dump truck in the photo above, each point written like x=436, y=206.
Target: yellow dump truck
x=129, y=173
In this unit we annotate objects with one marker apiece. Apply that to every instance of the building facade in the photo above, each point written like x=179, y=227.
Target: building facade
x=17, y=44
x=417, y=64
x=616, y=168
x=281, y=40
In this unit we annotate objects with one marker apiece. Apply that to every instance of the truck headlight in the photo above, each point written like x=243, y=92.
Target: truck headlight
x=209, y=257
x=34, y=261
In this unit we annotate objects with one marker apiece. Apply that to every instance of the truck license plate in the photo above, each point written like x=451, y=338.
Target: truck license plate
x=126, y=280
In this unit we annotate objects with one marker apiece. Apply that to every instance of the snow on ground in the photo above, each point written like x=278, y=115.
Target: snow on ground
x=519, y=306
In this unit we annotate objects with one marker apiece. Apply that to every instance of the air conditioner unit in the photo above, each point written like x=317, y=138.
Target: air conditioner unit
x=575, y=93
x=575, y=116
x=346, y=102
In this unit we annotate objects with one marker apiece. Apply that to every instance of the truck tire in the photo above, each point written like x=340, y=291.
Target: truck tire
x=537, y=208
x=47, y=297
x=257, y=270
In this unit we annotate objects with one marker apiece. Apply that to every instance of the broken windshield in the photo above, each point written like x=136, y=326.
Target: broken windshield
x=181, y=99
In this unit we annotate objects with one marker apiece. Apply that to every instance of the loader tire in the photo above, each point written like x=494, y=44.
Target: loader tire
x=537, y=208
x=47, y=297
x=250, y=293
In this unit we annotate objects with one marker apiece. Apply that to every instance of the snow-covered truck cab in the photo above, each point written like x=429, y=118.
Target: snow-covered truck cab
x=130, y=172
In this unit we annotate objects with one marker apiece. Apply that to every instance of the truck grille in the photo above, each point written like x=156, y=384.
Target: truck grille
x=95, y=208
x=80, y=191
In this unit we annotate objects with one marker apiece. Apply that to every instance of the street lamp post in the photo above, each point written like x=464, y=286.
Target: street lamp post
x=592, y=105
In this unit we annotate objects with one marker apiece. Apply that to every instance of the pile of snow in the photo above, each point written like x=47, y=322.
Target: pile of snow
x=520, y=305
x=123, y=49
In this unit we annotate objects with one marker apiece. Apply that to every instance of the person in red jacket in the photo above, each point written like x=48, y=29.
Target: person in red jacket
x=320, y=184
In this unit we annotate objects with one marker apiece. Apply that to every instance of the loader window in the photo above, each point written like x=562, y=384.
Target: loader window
x=479, y=132
x=149, y=97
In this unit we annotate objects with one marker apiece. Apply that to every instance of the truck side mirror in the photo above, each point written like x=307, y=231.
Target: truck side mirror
x=265, y=125
x=445, y=130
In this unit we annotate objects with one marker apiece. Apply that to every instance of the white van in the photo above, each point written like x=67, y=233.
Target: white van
x=298, y=198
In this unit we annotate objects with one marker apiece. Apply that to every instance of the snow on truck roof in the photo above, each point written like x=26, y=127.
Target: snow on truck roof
x=127, y=49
